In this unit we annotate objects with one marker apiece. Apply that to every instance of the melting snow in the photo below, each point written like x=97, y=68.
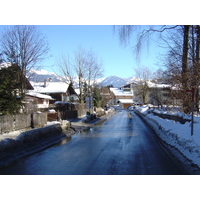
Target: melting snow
x=177, y=134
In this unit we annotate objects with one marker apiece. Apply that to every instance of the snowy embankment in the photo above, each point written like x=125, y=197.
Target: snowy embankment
x=29, y=142
x=176, y=134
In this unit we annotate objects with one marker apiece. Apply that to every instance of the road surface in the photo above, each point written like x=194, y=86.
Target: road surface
x=119, y=146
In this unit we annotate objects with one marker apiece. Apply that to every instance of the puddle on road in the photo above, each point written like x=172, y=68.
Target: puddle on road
x=63, y=141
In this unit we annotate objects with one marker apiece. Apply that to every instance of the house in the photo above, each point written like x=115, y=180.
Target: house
x=35, y=101
x=122, y=96
x=59, y=91
x=153, y=92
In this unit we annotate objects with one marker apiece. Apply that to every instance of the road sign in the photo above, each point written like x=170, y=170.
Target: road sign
x=88, y=103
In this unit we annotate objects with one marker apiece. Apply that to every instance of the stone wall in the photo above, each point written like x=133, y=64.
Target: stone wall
x=6, y=123
x=10, y=123
x=22, y=121
x=39, y=120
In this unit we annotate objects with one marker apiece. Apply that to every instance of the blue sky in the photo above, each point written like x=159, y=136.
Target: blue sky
x=117, y=59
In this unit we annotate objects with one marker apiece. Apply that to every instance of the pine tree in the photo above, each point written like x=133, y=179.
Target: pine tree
x=10, y=101
x=97, y=98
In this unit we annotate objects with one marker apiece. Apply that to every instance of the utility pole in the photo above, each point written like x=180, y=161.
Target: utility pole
x=192, y=120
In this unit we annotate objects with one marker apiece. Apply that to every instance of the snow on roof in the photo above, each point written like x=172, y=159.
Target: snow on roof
x=119, y=92
x=38, y=95
x=126, y=100
x=51, y=87
x=5, y=65
x=157, y=85
x=77, y=91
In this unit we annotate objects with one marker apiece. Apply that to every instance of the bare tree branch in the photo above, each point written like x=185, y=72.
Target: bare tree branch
x=24, y=46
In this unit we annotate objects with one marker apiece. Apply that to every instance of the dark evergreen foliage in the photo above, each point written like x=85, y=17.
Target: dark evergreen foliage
x=10, y=99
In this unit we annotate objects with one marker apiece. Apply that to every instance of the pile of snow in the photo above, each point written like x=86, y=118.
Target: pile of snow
x=143, y=109
x=12, y=134
x=176, y=134
x=173, y=113
x=29, y=142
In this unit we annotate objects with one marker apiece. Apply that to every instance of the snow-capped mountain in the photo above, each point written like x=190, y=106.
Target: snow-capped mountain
x=114, y=81
x=133, y=80
x=41, y=75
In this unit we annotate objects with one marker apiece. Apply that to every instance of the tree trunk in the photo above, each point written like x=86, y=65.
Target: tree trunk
x=196, y=69
x=186, y=106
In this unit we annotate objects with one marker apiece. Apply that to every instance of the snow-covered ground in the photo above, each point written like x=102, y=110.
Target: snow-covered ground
x=176, y=134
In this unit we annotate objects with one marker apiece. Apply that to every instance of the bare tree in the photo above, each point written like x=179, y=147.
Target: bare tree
x=93, y=69
x=23, y=45
x=79, y=64
x=144, y=74
x=83, y=65
x=195, y=83
x=182, y=63
x=188, y=45
x=65, y=69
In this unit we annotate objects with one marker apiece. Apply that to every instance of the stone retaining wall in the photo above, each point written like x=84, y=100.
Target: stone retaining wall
x=10, y=123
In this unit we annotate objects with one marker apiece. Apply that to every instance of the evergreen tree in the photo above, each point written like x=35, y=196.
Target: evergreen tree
x=97, y=98
x=10, y=101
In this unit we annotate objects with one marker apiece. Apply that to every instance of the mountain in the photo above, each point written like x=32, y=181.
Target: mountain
x=114, y=81
x=133, y=80
x=41, y=75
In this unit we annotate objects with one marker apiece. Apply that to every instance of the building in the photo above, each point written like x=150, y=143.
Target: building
x=35, y=101
x=59, y=91
x=153, y=92
x=122, y=97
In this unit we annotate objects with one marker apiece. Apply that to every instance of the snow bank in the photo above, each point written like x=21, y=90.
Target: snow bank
x=143, y=109
x=176, y=134
x=29, y=142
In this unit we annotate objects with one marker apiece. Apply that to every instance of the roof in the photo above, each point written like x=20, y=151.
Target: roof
x=5, y=65
x=51, y=87
x=77, y=91
x=151, y=84
x=38, y=95
x=126, y=100
x=158, y=85
x=119, y=92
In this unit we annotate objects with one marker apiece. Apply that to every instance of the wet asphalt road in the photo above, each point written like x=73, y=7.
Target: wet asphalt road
x=119, y=146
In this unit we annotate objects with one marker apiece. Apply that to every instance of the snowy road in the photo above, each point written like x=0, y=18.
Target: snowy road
x=120, y=146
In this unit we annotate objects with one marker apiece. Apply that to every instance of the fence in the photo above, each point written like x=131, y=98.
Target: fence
x=10, y=123
x=68, y=111
x=172, y=117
